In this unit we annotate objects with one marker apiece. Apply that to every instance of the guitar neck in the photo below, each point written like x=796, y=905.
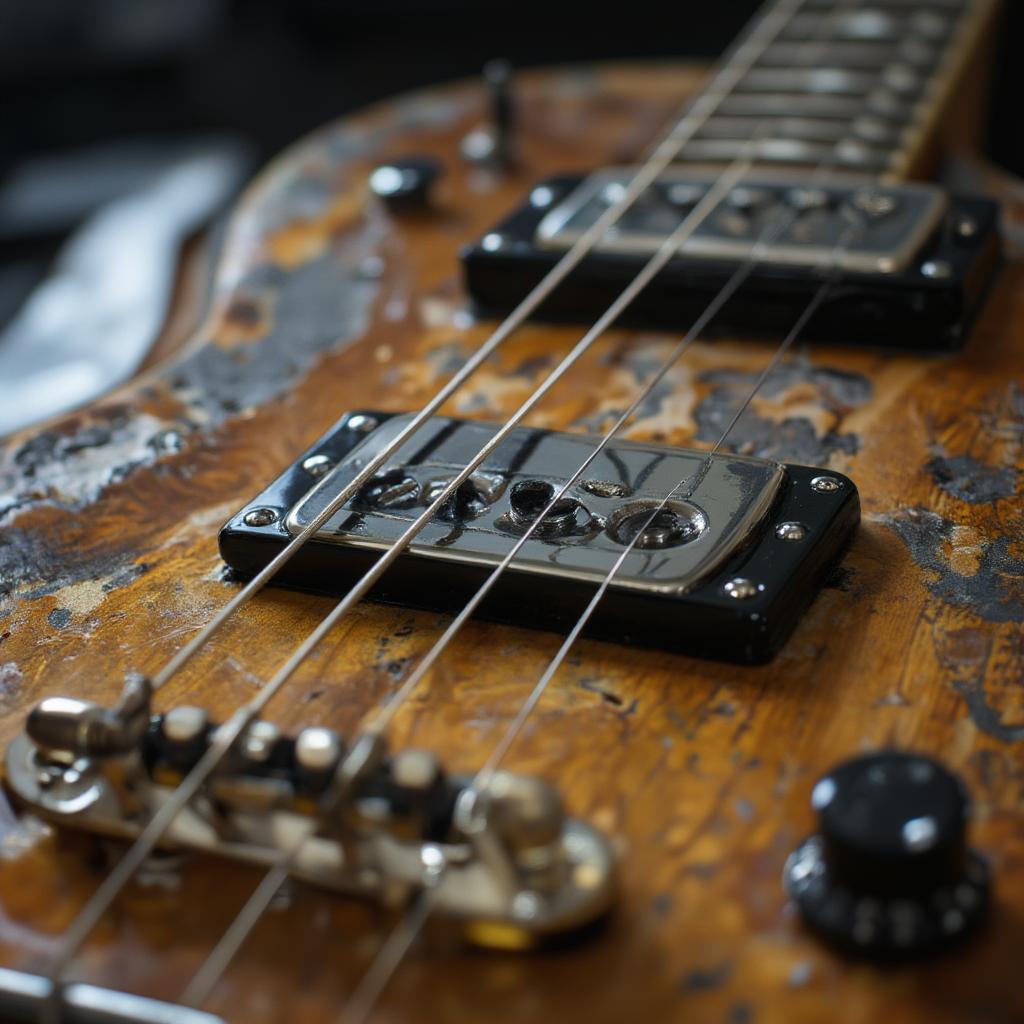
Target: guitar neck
x=857, y=87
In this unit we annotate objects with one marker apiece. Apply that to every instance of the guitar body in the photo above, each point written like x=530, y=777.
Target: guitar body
x=700, y=772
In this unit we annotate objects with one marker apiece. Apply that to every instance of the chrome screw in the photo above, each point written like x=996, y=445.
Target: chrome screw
x=260, y=517
x=966, y=227
x=317, y=465
x=791, y=531
x=938, y=270
x=741, y=589
x=364, y=424
x=825, y=484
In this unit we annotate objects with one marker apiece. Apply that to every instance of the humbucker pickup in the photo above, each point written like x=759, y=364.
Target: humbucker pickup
x=724, y=570
x=911, y=263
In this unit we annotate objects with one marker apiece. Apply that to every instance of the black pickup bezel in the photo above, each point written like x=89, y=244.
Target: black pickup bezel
x=903, y=310
x=705, y=622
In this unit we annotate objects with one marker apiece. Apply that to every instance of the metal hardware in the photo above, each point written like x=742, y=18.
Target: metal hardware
x=361, y=422
x=184, y=724
x=493, y=143
x=373, y=821
x=667, y=590
x=741, y=589
x=405, y=185
x=966, y=227
x=259, y=741
x=807, y=199
x=261, y=517
x=825, y=484
x=882, y=298
x=897, y=221
x=939, y=270
x=873, y=203
x=678, y=522
x=317, y=465
x=26, y=998
x=791, y=531
x=317, y=750
x=735, y=493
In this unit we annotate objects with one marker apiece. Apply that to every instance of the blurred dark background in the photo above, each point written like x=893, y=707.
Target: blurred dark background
x=102, y=94
x=81, y=70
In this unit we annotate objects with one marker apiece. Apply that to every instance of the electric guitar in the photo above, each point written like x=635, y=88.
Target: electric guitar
x=573, y=571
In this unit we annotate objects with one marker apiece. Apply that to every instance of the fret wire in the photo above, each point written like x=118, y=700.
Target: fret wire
x=96, y=906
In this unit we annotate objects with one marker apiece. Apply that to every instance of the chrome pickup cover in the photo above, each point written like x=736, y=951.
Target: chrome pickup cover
x=815, y=214
x=723, y=498
x=724, y=571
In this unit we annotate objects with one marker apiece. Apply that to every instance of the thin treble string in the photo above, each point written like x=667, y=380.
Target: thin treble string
x=220, y=957
x=693, y=118
x=225, y=736
x=501, y=749
x=385, y=964
x=79, y=929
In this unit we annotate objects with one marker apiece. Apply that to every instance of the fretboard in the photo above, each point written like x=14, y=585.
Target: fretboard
x=857, y=87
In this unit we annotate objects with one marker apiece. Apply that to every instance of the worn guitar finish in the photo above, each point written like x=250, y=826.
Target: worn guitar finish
x=701, y=772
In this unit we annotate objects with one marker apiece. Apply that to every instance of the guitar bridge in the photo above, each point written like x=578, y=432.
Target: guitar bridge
x=724, y=570
x=500, y=857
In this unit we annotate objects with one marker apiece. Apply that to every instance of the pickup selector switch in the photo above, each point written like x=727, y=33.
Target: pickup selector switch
x=889, y=875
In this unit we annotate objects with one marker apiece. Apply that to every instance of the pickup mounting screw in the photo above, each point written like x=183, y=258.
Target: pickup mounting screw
x=791, y=531
x=364, y=424
x=938, y=270
x=966, y=227
x=741, y=589
x=317, y=465
x=260, y=517
x=825, y=484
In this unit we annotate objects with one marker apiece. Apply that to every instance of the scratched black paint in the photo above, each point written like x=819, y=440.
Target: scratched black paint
x=995, y=591
x=795, y=438
x=971, y=480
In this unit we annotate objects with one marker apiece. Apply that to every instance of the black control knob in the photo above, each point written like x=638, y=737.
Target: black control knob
x=406, y=184
x=889, y=875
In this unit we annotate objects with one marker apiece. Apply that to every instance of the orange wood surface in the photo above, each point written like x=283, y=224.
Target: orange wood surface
x=701, y=772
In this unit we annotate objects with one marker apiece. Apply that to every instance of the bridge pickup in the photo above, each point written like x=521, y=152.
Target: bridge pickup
x=913, y=263
x=724, y=571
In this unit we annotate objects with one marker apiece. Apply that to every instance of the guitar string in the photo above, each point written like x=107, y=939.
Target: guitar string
x=217, y=961
x=82, y=925
x=695, y=115
x=398, y=944
x=225, y=736
x=219, y=958
x=387, y=961
x=99, y=902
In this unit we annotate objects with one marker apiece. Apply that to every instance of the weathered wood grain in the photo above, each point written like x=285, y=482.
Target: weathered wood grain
x=702, y=772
